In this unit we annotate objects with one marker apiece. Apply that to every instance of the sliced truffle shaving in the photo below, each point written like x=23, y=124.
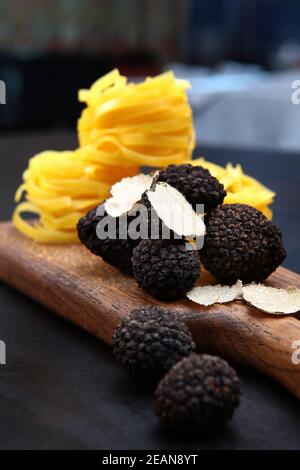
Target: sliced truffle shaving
x=176, y=213
x=126, y=193
x=272, y=300
x=209, y=295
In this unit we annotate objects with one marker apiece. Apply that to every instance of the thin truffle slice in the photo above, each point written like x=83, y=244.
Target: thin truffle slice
x=196, y=184
x=126, y=193
x=175, y=212
x=272, y=300
x=209, y=295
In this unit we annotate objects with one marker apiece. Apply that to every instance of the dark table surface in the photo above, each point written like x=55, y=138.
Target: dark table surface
x=61, y=388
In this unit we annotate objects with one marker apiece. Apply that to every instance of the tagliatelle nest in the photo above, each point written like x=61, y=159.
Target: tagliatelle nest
x=148, y=123
x=60, y=188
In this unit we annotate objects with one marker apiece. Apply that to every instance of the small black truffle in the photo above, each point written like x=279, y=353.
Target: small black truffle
x=116, y=251
x=150, y=341
x=165, y=269
x=195, y=183
x=241, y=243
x=200, y=392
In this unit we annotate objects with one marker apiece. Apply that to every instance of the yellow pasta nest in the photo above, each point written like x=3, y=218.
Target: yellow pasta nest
x=148, y=123
x=60, y=188
x=240, y=188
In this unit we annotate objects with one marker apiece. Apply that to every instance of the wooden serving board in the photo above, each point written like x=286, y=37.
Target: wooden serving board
x=82, y=288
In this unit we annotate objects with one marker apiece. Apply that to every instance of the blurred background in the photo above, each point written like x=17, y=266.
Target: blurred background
x=240, y=55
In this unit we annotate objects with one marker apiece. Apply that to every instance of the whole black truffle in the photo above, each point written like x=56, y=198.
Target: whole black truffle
x=116, y=251
x=150, y=341
x=241, y=243
x=195, y=183
x=200, y=391
x=165, y=269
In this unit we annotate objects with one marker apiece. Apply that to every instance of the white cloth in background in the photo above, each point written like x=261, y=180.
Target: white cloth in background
x=250, y=109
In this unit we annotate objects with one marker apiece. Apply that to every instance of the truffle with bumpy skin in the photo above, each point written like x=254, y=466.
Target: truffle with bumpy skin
x=200, y=392
x=117, y=252
x=150, y=341
x=241, y=243
x=196, y=184
x=165, y=269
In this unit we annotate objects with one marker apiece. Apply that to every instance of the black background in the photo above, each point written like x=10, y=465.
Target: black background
x=61, y=388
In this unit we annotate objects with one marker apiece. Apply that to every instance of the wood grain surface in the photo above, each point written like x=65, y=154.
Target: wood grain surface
x=85, y=290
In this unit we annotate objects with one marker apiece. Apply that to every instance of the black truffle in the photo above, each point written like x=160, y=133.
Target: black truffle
x=241, y=243
x=195, y=183
x=200, y=392
x=116, y=251
x=150, y=341
x=165, y=269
